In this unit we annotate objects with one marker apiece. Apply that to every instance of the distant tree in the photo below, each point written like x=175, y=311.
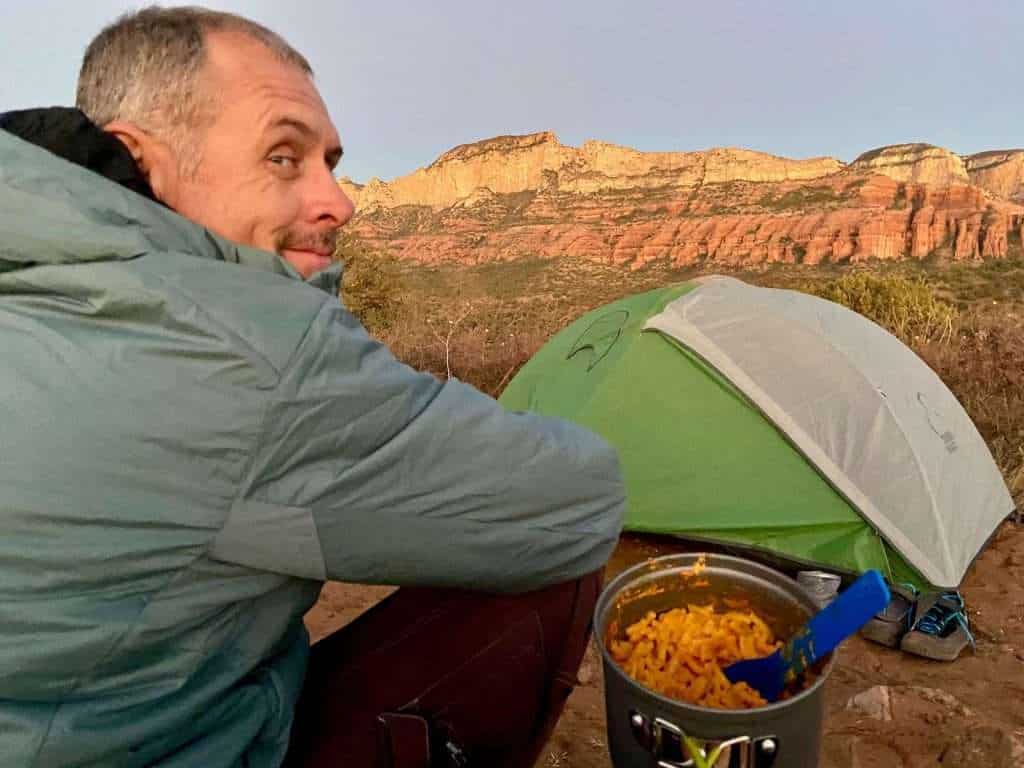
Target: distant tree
x=371, y=286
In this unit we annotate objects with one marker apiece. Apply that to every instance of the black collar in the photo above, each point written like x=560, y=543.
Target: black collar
x=68, y=133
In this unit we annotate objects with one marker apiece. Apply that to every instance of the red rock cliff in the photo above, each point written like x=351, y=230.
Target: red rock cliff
x=530, y=196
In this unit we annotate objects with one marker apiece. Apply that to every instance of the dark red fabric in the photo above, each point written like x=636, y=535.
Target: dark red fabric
x=487, y=674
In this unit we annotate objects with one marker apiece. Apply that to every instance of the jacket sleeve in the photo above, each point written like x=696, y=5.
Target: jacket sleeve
x=369, y=471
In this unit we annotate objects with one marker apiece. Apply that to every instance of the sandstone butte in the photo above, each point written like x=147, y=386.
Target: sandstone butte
x=532, y=197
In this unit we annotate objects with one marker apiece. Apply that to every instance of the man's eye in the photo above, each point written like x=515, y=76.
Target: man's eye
x=284, y=161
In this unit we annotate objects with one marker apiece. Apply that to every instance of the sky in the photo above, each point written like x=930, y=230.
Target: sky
x=405, y=81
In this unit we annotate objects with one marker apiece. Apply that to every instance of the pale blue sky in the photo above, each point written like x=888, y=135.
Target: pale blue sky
x=405, y=81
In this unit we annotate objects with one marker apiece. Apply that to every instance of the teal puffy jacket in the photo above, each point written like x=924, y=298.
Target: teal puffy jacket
x=192, y=439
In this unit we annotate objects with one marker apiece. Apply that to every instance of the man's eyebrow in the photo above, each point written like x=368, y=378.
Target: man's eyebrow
x=292, y=122
x=333, y=155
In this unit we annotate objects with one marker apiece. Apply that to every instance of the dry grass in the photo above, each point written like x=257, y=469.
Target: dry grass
x=481, y=324
x=480, y=342
x=983, y=364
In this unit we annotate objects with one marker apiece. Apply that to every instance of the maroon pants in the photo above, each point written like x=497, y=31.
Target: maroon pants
x=444, y=678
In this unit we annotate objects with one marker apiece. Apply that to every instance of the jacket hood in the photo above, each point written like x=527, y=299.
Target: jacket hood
x=69, y=133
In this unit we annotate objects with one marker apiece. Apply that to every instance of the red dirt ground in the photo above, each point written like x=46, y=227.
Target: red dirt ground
x=968, y=713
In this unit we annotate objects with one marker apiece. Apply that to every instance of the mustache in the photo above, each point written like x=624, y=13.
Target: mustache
x=316, y=241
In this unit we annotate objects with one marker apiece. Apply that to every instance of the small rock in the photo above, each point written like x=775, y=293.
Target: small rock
x=875, y=702
x=1017, y=748
x=883, y=702
x=936, y=696
x=989, y=746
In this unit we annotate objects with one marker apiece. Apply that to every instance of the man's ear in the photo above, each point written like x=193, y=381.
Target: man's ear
x=153, y=157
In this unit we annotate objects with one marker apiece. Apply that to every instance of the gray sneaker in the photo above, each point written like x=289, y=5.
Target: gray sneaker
x=888, y=626
x=940, y=630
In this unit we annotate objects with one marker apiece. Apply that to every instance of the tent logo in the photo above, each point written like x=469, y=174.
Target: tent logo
x=947, y=437
x=600, y=336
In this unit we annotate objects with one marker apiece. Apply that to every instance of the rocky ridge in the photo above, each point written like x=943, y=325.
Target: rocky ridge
x=538, y=162
x=1001, y=172
x=531, y=196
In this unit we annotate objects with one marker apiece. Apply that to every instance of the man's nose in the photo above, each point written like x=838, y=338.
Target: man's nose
x=330, y=203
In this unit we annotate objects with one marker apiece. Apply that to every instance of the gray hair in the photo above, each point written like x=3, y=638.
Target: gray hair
x=144, y=68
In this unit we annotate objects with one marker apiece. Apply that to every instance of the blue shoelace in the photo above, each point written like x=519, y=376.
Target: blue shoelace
x=908, y=617
x=947, y=610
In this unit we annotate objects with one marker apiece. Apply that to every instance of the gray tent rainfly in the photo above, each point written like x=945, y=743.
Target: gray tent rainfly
x=860, y=405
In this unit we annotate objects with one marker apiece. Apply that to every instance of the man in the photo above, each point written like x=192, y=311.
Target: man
x=196, y=434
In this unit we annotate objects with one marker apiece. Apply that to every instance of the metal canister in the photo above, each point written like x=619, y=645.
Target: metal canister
x=646, y=729
x=822, y=585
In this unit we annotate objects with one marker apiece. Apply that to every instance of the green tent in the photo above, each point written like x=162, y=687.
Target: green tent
x=779, y=421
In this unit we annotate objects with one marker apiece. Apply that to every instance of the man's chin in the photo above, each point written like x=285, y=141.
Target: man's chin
x=306, y=263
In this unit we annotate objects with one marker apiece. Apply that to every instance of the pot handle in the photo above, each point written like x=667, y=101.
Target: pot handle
x=666, y=742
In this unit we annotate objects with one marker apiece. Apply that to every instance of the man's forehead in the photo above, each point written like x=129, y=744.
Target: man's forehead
x=248, y=75
x=280, y=110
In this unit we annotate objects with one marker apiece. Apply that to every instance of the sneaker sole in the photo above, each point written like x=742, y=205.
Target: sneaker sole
x=937, y=649
x=887, y=633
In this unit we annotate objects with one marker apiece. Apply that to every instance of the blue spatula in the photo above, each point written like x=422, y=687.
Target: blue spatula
x=850, y=611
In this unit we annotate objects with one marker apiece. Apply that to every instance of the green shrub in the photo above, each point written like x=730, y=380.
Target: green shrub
x=907, y=307
x=372, y=288
x=801, y=197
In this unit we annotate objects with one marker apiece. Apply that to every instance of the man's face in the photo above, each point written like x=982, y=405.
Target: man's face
x=266, y=172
